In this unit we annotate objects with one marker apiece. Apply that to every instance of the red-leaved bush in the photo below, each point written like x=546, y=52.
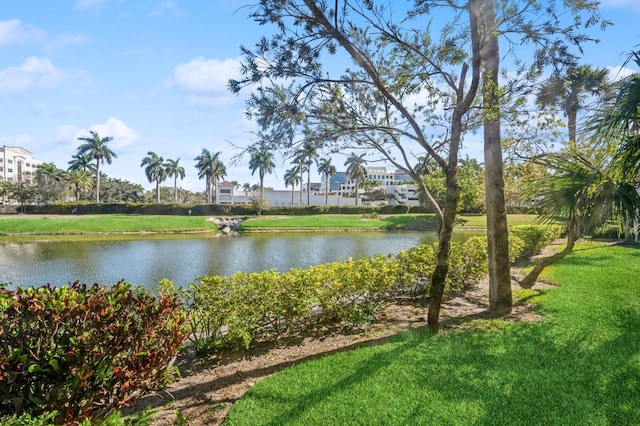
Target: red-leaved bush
x=84, y=351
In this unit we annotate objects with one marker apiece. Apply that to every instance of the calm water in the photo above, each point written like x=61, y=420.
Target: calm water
x=146, y=261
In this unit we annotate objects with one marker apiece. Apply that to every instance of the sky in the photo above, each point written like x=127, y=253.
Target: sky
x=152, y=74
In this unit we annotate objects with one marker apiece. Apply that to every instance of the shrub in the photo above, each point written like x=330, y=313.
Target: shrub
x=534, y=237
x=468, y=262
x=84, y=351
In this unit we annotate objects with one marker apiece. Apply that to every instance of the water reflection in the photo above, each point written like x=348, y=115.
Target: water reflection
x=145, y=262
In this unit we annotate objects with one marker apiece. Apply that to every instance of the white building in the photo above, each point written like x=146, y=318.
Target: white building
x=397, y=184
x=227, y=193
x=17, y=164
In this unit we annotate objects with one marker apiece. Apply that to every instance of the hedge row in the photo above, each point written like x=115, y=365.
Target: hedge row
x=81, y=351
x=212, y=209
x=244, y=307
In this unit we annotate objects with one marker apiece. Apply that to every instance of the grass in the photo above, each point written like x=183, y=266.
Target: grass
x=97, y=224
x=404, y=222
x=580, y=366
x=165, y=224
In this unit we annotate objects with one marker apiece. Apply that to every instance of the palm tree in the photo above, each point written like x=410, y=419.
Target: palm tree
x=292, y=177
x=307, y=155
x=176, y=171
x=355, y=169
x=82, y=180
x=48, y=177
x=328, y=170
x=209, y=167
x=579, y=191
x=261, y=160
x=82, y=162
x=219, y=172
x=571, y=90
x=618, y=122
x=154, y=169
x=95, y=148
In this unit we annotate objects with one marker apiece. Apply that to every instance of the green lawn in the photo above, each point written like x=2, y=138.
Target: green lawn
x=405, y=221
x=581, y=366
x=119, y=223
x=96, y=224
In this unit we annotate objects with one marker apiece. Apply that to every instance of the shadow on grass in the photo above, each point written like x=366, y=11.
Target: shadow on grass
x=534, y=374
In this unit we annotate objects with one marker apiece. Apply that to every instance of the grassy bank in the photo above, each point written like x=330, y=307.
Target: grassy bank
x=580, y=366
x=167, y=224
x=101, y=224
x=409, y=222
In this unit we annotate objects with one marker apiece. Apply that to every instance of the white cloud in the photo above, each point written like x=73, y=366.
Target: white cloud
x=89, y=4
x=67, y=132
x=122, y=134
x=33, y=74
x=204, y=76
x=621, y=4
x=13, y=32
x=618, y=73
x=205, y=80
x=22, y=140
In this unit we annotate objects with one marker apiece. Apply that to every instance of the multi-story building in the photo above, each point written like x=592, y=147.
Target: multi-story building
x=17, y=164
x=398, y=185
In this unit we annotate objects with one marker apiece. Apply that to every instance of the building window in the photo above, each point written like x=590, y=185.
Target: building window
x=27, y=164
x=225, y=191
x=10, y=170
x=9, y=161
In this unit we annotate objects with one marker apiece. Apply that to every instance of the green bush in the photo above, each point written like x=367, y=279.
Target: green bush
x=84, y=351
x=534, y=237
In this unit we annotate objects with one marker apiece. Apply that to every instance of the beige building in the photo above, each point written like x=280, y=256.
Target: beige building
x=17, y=164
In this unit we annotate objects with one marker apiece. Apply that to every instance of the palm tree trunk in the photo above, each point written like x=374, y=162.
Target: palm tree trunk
x=571, y=124
x=175, y=189
x=500, y=298
x=293, y=187
x=309, y=186
x=326, y=191
x=356, y=191
x=572, y=236
x=157, y=191
x=97, y=181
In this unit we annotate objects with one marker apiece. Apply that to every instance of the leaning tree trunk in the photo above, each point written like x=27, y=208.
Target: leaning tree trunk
x=438, y=279
x=572, y=235
x=500, y=299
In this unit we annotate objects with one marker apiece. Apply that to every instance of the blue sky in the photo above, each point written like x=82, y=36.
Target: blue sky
x=153, y=74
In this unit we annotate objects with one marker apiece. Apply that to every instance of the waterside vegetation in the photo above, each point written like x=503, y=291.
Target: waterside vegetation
x=482, y=373
x=168, y=224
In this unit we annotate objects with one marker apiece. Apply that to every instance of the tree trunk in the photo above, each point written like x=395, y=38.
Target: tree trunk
x=175, y=189
x=157, y=191
x=500, y=299
x=326, y=191
x=571, y=125
x=97, y=181
x=445, y=229
x=356, y=192
x=309, y=186
x=572, y=235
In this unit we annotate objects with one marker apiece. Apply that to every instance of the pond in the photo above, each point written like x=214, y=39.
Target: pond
x=146, y=261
